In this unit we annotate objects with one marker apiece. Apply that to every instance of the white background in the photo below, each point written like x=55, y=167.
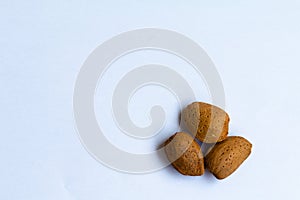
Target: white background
x=254, y=45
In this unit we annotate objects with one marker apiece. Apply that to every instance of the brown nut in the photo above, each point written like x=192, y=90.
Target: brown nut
x=209, y=123
x=185, y=154
x=226, y=156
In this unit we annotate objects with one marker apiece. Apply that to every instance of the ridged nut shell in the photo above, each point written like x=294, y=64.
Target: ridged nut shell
x=209, y=123
x=185, y=154
x=226, y=156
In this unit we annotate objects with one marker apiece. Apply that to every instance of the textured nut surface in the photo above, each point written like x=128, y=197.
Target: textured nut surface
x=209, y=123
x=185, y=154
x=226, y=156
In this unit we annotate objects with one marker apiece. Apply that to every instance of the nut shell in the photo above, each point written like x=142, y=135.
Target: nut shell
x=226, y=156
x=185, y=154
x=209, y=123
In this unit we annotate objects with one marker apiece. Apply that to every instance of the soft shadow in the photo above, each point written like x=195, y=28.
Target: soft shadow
x=209, y=177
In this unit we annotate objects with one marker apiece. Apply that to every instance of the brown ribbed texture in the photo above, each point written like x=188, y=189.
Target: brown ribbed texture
x=209, y=123
x=226, y=156
x=185, y=154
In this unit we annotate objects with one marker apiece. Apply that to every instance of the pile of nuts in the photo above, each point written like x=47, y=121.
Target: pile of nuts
x=207, y=124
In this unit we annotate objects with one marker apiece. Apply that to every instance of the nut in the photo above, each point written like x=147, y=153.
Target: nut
x=226, y=156
x=209, y=123
x=185, y=154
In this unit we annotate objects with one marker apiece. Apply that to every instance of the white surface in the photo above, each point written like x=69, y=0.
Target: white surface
x=254, y=44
